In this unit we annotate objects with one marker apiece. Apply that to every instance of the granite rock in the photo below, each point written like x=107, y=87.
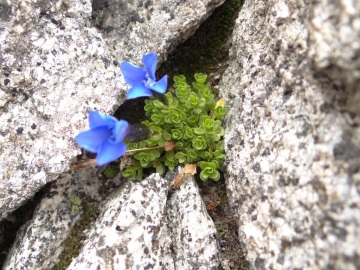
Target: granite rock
x=59, y=60
x=131, y=232
x=140, y=225
x=70, y=199
x=292, y=133
x=193, y=232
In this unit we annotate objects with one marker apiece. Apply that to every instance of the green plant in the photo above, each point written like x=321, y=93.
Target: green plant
x=111, y=171
x=75, y=204
x=191, y=119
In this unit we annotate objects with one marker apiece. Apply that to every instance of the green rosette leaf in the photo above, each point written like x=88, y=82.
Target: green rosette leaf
x=175, y=117
x=157, y=118
x=180, y=144
x=192, y=102
x=170, y=155
x=182, y=90
x=179, y=79
x=200, y=78
x=166, y=135
x=154, y=154
x=171, y=101
x=191, y=154
x=209, y=170
x=193, y=120
x=188, y=133
x=146, y=123
x=139, y=174
x=220, y=112
x=182, y=157
x=160, y=168
x=199, y=143
x=220, y=146
x=176, y=134
x=210, y=128
x=155, y=137
x=136, y=145
x=145, y=157
x=209, y=173
x=195, y=103
x=206, y=155
x=111, y=171
x=149, y=106
x=129, y=172
x=218, y=155
x=205, y=92
x=154, y=128
x=171, y=163
x=158, y=104
x=151, y=143
x=171, y=160
x=209, y=124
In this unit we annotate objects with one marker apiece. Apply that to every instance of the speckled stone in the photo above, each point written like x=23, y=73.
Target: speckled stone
x=193, y=232
x=132, y=231
x=148, y=25
x=141, y=225
x=41, y=240
x=58, y=61
x=292, y=133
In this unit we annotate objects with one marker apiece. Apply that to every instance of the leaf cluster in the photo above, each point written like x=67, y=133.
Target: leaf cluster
x=188, y=116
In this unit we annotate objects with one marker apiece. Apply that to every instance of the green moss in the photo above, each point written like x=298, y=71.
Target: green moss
x=75, y=204
x=75, y=241
x=220, y=231
x=111, y=171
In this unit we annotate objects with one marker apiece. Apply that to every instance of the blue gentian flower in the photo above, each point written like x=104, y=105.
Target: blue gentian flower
x=105, y=137
x=142, y=81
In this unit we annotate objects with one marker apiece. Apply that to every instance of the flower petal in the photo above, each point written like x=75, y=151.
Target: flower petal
x=161, y=85
x=132, y=74
x=110, y=151
x=92, y=139
x=150, y=62
x=120, y=130
x=138, y=90
x=97, y=119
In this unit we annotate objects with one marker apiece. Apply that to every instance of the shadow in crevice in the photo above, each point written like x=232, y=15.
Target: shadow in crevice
x=10, y=226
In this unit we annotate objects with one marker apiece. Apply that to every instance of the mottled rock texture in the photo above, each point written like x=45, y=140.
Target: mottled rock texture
x=193, y=232
x=292, y=133
x=140, y=226
x=70, y=199
x=59, y=60
x=132, y=231
x=145, y=227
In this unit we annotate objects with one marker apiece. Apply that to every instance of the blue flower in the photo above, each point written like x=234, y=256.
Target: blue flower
x=105, y=137
x=143, y=80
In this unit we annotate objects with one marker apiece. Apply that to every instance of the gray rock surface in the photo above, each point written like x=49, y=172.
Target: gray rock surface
x=70, y=198
x=193, y=232
x=292, y=133
x=132, y=231
x=56, y=66
x=140, y=225
x=141, y=228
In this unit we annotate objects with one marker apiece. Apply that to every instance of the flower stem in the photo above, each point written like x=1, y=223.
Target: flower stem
x=169, y=145
x=146, y=148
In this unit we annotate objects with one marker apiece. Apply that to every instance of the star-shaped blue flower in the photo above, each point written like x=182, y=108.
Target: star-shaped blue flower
x=105, y=137
x=142, y=81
